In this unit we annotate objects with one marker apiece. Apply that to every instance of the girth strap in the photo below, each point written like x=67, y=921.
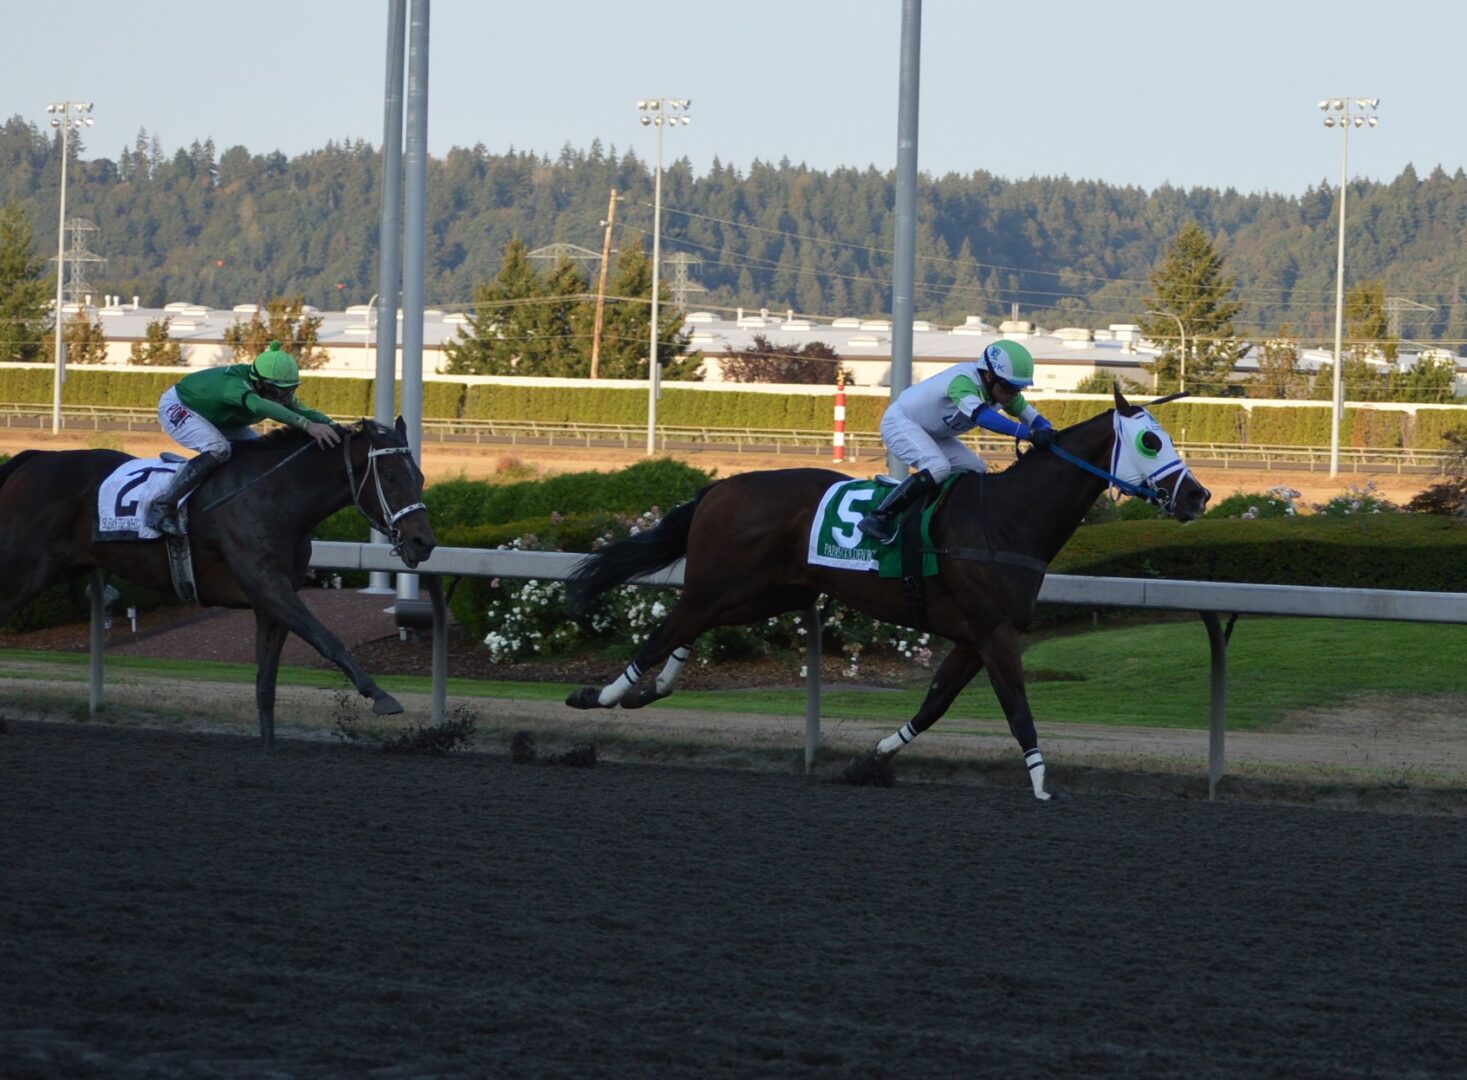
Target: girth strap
x=1011, y=558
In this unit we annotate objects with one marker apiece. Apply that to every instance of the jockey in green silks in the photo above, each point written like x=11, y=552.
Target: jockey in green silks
x=208, y=410
x=922, y=426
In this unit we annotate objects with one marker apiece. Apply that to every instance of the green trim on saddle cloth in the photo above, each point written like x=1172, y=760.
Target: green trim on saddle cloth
x=835, y=540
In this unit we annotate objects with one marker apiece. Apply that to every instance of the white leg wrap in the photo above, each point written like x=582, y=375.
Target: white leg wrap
x=1035, y=760
x=667, y=677
x=614, y=692
x=894, y=742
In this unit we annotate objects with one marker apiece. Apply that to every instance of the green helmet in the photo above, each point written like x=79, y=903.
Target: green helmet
x=276, y=367
x=1009, y=361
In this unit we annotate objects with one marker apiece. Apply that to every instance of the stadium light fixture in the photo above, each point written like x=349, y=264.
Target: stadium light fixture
x=1353, y=109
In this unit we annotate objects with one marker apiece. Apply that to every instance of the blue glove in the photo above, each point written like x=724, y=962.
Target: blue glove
x=1041, y=433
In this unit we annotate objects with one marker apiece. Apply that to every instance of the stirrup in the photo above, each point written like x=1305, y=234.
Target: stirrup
x=879, y=529
x=159, y=518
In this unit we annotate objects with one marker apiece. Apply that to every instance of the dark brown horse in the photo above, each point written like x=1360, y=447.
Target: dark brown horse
x=249, y=533
x=746, y=542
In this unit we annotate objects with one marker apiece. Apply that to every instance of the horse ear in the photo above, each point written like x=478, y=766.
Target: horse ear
x=1124, y=407
x=401, y=426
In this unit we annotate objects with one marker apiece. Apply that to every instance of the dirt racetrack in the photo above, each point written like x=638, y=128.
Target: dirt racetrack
x=180, y=905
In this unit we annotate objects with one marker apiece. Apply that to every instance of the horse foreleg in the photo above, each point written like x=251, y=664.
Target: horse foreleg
x=955, y=672
x=279, y=602
x=1004, y=657
x=269, y=640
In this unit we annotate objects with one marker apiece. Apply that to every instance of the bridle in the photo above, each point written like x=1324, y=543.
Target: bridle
x=387, y=526
x=1149, y=488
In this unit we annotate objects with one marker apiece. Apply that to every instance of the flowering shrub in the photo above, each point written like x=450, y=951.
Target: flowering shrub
x=1275, y=502
x=1357, y=500
x=530, y=618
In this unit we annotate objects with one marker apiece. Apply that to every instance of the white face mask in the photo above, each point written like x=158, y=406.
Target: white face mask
x=1144, y=454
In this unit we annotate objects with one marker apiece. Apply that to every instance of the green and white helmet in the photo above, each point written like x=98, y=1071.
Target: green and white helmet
x=1009, y=361
x=276, y=367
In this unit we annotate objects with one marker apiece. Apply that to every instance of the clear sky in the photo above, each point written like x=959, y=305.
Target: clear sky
x=1143, y=92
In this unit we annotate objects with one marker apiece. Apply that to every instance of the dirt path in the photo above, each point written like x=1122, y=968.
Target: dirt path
x=180, y=906
x=447, y=460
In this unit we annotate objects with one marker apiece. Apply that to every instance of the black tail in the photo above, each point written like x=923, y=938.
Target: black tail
x=15, y=463
x=645, y=553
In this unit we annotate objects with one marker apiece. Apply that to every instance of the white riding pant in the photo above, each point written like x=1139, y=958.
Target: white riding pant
x=909, y=441
x=189, y=429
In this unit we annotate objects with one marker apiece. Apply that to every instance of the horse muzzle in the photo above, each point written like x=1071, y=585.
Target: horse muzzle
x=1188, y=500
x=416, y=549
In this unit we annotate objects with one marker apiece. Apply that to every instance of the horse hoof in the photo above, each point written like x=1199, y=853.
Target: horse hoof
x=1052, y=797
x=646, y=695
x=386, y=705
x=869, y=770
x=587, y=697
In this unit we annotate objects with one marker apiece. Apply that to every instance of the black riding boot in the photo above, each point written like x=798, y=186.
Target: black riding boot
x=163, y=514
x=881, y=523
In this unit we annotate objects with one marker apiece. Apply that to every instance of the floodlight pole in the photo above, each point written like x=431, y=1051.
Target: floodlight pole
x=1346, y=107
x=61, y=117
x=658, y=113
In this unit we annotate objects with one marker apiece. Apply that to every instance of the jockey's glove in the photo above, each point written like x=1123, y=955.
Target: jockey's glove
x=1041, y=438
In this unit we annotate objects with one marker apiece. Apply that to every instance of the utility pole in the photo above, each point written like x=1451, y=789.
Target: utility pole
x=601, y=288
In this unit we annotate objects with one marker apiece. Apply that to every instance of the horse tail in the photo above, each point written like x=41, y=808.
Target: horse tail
x=15, y=463
x=644, y=553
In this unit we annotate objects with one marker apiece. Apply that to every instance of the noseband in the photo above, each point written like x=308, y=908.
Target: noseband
x=387, y=526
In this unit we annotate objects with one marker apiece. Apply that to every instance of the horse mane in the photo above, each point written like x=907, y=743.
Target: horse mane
x=285, y=438
x=1063, y=436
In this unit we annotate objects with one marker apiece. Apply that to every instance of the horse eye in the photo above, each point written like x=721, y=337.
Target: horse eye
x=1150, y=440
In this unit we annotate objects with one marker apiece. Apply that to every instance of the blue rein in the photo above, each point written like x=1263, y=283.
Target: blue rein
x=1149, y=493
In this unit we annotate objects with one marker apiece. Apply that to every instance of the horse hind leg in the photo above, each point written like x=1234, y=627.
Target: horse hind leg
x=1004, y=657
x=663, y=685
x=623, y=689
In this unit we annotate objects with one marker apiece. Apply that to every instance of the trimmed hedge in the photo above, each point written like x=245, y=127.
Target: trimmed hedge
x=682, y=406
x=1424, y=552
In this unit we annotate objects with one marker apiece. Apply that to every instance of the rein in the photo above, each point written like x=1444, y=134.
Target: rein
x=388, y=527
x=245, y=487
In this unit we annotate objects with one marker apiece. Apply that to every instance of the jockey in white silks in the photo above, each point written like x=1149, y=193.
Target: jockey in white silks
x=922, y=426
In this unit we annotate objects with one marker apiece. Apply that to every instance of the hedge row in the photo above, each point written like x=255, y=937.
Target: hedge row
x=1424, y=552
x=685, y=407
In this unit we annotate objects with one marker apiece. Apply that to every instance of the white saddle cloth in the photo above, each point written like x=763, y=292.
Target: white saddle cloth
x=124, y=498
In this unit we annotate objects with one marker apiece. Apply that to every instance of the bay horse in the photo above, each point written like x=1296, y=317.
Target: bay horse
x=746, y=541
x=250, y=542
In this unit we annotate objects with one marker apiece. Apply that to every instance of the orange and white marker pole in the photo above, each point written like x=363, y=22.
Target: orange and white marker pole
x=840, y=416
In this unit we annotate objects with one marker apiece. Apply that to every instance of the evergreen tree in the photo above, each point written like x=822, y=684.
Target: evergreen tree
x=1368, y=324
x=501, y=326
x=159, y=349
x=287, y=322
x=627, y=327
x=23, y=291
x=1190, y=283
x=85, y=341
x=1279, y=375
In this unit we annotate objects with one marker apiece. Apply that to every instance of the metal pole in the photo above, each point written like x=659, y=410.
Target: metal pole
x=389, y=241
x=415, y=214
x=97, y=641
x=1217, y=728
x=60, y=373
x=812, y=686
x=1337, y=392
x=904, y=271
x=652, y=373
x=1182, y=330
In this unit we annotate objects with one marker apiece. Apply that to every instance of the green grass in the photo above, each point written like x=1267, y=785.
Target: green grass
x=1153, y=675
